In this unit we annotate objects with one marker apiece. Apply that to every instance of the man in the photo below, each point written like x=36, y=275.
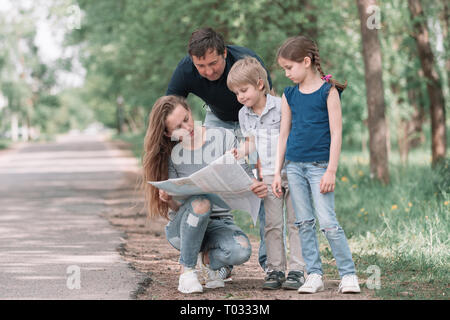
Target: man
x=204, y=72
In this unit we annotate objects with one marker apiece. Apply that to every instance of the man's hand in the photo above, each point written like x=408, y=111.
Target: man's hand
x=259, y=188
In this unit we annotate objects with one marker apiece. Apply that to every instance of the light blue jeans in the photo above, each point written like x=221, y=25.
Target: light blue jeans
x=191, y=233
x=309, y=204
x=212, y=121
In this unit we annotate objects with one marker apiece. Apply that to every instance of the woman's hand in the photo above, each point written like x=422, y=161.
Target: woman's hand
x=164, y=196
x=276, y=186
x=328, y=182
x=259, y=188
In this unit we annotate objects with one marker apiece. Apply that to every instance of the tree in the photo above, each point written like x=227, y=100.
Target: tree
x=375, y=93
x=436, y=96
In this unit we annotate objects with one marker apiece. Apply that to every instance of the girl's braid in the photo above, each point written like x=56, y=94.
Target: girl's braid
x=316, y=59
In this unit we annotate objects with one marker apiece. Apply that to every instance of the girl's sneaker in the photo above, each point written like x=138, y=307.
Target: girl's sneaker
x=313, y=284
x=188, y=282
x=349, y=284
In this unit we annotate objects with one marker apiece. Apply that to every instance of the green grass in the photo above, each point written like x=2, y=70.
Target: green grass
x=402, y=228
x=4, y=143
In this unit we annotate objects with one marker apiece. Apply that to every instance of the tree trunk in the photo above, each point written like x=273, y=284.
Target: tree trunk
x=415, y=124
x=14, y=127
x=375, y=95
x=445, y=18
x=120, y=115
x=437, y=108
x=310, y=28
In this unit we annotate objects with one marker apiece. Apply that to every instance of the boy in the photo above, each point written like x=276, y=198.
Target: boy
x=259, y=120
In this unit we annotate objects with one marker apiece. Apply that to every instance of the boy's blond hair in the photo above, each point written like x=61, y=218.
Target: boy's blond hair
x=247, y=70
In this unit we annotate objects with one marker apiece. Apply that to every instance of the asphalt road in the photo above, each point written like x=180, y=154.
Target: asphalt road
x=53, y=242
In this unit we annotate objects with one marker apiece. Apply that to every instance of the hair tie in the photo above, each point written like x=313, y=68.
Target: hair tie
x=327, y=77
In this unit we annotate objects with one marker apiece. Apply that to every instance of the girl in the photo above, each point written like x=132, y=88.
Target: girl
x=259, y=120
x=196, y=225
x=310, y=139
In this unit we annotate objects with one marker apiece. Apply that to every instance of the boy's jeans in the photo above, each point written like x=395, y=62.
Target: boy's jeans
x=212, y=121
x=191, y=233
x=275, y=230
x=304, y=183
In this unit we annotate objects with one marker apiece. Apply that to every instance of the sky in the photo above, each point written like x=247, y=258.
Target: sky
x=50, y=36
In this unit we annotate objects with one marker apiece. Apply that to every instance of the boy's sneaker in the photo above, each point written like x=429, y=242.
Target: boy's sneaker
x=225, y=273
x=294, y=280
x=188, y=282
x=210, y=278
x=274, y=280
x=349, y=284
x=313, y=284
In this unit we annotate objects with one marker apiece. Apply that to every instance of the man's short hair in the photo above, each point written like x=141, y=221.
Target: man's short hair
x=247, y=71
x=204, y=39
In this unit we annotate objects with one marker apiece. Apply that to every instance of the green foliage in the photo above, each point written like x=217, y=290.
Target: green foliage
x=402, y=228
x=136, y=45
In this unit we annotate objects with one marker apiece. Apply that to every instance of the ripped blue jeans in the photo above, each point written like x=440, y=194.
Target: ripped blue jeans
x=309, y=204
x=191, y=233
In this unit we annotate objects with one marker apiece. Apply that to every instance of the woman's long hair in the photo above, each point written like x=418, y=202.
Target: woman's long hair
x=299, y=47
x=157, y=151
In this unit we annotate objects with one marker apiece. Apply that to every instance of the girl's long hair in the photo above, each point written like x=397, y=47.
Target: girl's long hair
x=157, y=151
x=299, y=47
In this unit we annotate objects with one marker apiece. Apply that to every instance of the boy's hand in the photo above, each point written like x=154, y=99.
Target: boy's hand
x=328, y=182
x=164, y=196
x=235, y=153
x=259, y=188
x=276, y=186
x=259, y=169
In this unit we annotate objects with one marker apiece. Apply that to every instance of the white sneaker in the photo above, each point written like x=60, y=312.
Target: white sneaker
x=225, y=274
x=188, y=282
x=312, y=284
x=213, y=279
x=349, y=284
x=210, y=278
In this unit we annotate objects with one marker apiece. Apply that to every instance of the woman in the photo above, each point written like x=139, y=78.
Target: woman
x=174, y=147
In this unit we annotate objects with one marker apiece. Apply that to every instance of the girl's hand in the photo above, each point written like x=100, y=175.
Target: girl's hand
x=328, y=182
x=164, y=196
x=276, y=186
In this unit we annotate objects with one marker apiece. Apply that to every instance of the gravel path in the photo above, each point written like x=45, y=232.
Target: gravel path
x=54, y=243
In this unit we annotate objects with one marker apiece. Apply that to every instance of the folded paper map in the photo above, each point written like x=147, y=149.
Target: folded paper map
x=224, y=181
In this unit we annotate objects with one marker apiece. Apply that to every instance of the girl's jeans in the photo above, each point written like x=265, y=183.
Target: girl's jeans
x=191, y=232
x=304, y=183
